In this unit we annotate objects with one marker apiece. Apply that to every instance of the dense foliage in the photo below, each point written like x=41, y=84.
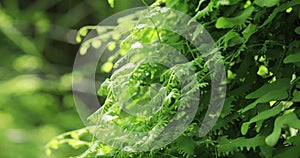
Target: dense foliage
x=259, y=41
x=37, y=50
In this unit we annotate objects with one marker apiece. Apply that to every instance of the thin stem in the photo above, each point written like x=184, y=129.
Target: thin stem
x=146, y=5
x=156, y=29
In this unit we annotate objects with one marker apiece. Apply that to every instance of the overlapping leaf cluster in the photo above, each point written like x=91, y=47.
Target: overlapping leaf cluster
x=260, y=43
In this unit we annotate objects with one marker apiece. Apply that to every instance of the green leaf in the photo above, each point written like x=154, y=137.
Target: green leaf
x=296, y=96
x=291, y=151
x=231, y=145
x=293, y=58
x=245, y=127
x=76, y=144
x=262, y=116
x=107, y=67
x=111, y=3
x=232, y=38
x=249, y=31
x=224, y=22
x=283, y=84
x=96, y=44
x=235, y=41
x=258, y=126
x=263, y=70
x=281, y=8
x=53, y=144
x=185, y=146
x=267, y=97
x=83, y=49
x=74, y=135
x=266, y=151
x=273, y=95
x=297, y=30
x=233, y=2
x=289, y=119
x=78, y=39
x=104, y=88
x=266, y=3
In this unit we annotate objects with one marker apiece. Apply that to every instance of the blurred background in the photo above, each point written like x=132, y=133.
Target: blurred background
x=37, y=50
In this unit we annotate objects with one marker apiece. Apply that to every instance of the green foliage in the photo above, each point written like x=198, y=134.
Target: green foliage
x=223, y=22
x=292, y=58
x=261, y=53
x=34, y=84
x=111, y=3
x=37, y=49
x=270, y=3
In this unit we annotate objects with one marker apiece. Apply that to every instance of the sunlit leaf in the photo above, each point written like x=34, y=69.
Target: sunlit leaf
x=263, y=70
x=111, y=3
